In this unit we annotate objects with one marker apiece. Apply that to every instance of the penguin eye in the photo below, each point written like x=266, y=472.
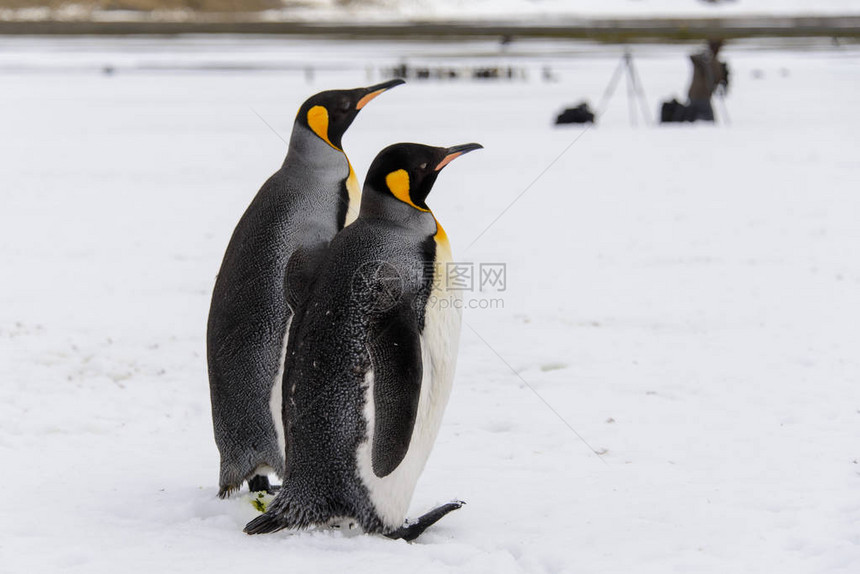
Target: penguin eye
x=423, y=165
x=345, y=105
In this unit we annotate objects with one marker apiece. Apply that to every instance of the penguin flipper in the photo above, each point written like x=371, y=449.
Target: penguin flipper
x=395, y=355
x=412, y=530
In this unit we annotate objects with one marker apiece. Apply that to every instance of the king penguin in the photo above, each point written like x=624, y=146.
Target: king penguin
x=371, y=359
x=301, y=207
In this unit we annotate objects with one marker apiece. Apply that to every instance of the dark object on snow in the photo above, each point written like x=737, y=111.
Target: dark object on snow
x=700, y=110
x=411, y=72
x=709, y=73
x=674, y=111
x=581, y=114
x=724, y=81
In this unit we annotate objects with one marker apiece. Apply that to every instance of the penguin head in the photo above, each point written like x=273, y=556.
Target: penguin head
x=407, y=171
x=329, y=114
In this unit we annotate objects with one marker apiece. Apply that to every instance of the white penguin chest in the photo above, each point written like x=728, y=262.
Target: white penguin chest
x=439, y=340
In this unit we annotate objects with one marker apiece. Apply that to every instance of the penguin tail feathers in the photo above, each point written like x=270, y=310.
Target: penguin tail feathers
x=226, y=491
x=264, y=524
x=284, y=512
x=280, y=514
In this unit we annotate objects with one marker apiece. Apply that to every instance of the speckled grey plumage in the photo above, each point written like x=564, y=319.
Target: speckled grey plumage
x=330, y=353
x=303, y=204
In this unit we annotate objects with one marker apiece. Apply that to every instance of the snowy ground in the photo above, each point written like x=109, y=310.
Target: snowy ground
x=537, y=9
x=686, y=298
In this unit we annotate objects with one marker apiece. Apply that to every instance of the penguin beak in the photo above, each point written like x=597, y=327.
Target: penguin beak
x=374, y=91
x=453, y=153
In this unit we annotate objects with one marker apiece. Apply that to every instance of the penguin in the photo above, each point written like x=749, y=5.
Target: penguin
x=371, y=359
x=301, y=207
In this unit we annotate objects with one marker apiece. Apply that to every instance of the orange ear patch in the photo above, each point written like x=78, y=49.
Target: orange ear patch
x=398, y=185
x=318, y=122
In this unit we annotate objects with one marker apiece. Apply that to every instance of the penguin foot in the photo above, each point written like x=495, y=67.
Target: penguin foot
x=260, y=483
x=412, y=530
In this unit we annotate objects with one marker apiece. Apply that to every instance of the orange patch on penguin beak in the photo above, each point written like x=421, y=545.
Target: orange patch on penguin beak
x=366, y=99
x=448, y=159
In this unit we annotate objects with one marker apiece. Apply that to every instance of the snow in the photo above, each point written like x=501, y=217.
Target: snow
x=685, y=298
x=550, y=9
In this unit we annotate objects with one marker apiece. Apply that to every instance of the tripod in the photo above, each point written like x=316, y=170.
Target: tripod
x=634, y=89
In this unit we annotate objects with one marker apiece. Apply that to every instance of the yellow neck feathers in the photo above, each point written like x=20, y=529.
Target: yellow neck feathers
x=442, y=242
x=398, y=184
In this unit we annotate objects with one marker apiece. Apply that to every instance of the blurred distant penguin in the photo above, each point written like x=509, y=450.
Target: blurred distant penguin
x=371, y=359
x=300, y=208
